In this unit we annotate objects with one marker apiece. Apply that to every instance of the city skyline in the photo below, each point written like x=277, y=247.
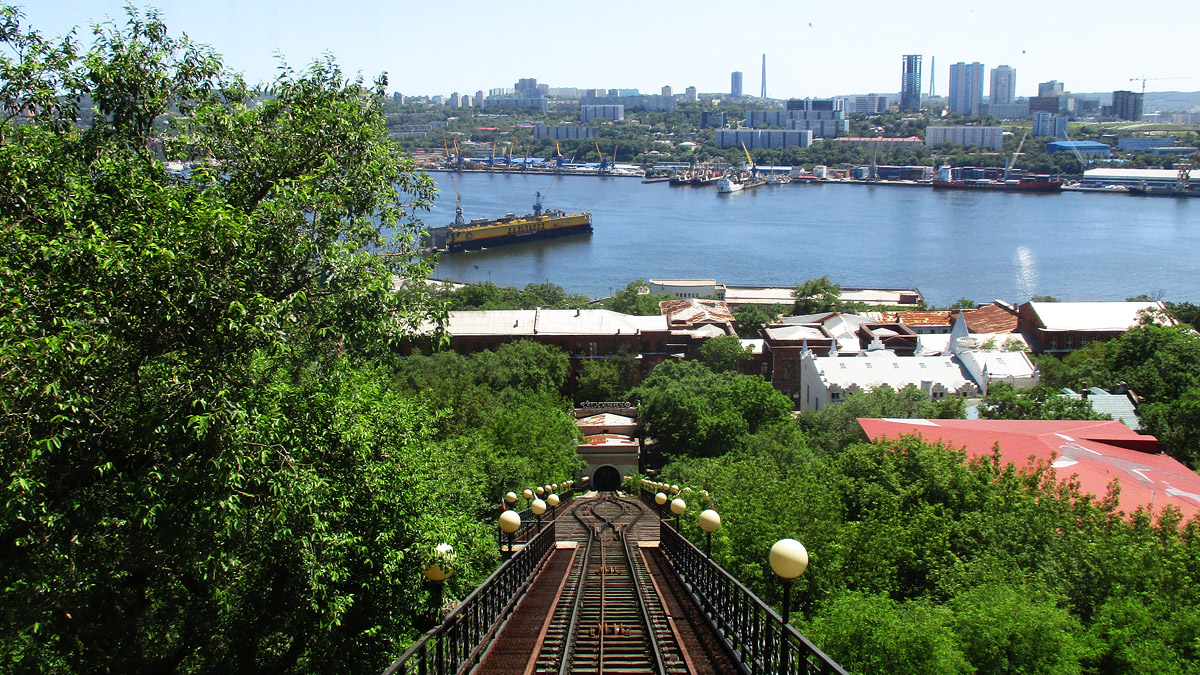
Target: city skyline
x=821, y=53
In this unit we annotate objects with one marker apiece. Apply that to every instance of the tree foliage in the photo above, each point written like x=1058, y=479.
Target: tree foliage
x=690, y=410
x=1003, y=402
x=817, y=295
x=922, y=561
x=636, y=299
x=724, y=354
x=203, y=470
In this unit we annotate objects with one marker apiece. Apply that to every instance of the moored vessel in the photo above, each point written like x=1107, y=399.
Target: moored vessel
x=462, y=235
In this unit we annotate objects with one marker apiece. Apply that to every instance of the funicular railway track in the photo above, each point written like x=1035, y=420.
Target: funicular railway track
x=613, y=623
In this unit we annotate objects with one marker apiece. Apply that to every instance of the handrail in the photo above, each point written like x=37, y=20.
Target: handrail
x=459, y=642
x=754, y=633
x=528, y=527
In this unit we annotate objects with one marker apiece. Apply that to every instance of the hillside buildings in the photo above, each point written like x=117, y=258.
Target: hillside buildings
x=1047, y=124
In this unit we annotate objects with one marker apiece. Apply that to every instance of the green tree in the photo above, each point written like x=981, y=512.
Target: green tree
x=817, y=295
x=1003, y=402
x=724, y=354
x=750, y=318
x=202, y=471
x=832, y=429
x=636, y=299
x=690, y=410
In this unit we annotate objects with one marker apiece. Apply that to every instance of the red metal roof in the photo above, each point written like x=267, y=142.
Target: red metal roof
x=991, y=319
x=1094, y=451
x=919, y=318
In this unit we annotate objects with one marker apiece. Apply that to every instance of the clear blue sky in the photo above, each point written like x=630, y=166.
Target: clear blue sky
x=438, y=47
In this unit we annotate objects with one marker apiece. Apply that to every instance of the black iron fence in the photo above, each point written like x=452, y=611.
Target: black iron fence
x=530, y=523
x=754, y=633
x=458, y=644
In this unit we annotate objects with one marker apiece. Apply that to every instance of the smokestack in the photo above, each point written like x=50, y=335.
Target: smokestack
x=764, y=81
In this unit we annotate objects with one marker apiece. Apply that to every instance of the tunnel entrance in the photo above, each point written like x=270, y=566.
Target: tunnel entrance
x=606, y=479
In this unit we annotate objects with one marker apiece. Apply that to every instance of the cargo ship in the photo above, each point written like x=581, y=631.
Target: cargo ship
x=509, y=229
x=1037, y=183
x=1006, y=182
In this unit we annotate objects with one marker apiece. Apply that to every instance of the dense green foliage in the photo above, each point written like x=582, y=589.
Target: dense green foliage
x=750, y=318
x=488, y=296
x=1043, y=402
x=724, y=354
x=636, y=299
x=212, y=460
x=921, y=562
x=690, y=410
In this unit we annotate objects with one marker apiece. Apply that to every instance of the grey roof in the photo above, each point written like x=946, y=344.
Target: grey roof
x=1118, y=406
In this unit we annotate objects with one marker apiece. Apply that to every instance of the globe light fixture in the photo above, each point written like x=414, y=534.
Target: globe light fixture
x=788, y=559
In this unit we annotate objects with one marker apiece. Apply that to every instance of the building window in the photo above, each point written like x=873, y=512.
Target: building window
x=1054, y=343
x=922, y=365
x=896, y=366
x=1070, y=342
x=834, y=396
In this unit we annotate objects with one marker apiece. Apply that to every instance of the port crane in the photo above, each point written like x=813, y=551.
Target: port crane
x=539, y=196
x=458, y=214
x=1013, y=160
x=603, y=162
x=753, y=167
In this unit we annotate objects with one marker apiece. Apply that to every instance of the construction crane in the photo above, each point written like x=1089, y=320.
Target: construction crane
x=457, y=156
x=1145, y=79
x=603, y=162
x=558, y=156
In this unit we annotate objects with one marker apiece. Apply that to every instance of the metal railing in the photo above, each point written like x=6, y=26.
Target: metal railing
x=754, y=633
x=458, y=644
x=529, y=522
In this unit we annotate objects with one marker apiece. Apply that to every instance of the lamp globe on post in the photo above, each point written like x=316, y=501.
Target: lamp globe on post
x=527, y=494
x=437, y=570
x=510, y=522
x=661, y=500
x=540, y=490
x=511, y=498
x=538, y=507
x=789, y=559
x=678, y=506
x=552, y=501
x=710, y=521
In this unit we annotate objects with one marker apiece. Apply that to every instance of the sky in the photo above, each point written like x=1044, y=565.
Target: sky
x=812, y=48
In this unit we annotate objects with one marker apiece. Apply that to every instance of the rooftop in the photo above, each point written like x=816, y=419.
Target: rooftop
x=884, y=367
x=1092, y=316
x=551, y=322
x=1095, y=451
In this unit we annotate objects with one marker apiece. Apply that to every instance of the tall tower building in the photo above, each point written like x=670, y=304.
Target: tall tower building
x=735, y=83
x=932, y=75
x=764, y=80
x=910, y=83
x=690, y=94
x=667, y=90
x=966, y=89
x=1127, y=105
x=1004, y=86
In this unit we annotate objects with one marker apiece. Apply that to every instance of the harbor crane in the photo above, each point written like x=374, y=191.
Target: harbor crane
x=1143, y=79
x=1013, y=160
x=539, y=196
x=458, y=214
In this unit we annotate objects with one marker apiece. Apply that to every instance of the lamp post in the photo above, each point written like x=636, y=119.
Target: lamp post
x=661, y=500
x=710, y=521
x=678, y=506
x=511, y=498
x=538, y=507
x=552, y=501
x=510, y=522
x=436, y=571
x=789, y=559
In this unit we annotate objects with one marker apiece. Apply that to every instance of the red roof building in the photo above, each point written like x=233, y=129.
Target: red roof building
x=1094, y=451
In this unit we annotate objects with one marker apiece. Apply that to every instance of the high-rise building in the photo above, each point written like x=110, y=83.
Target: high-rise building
x=1127, y=105
x=667, y=91
x=735, y=83
x=1004, y=86
x=1051, y=88
x=453, y=102
x=910, y=83
x=966, y=89
x=690, y=94
x=478, y=99
x=1046, y=124
x=527, y=86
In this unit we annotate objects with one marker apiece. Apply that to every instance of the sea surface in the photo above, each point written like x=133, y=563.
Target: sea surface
x=947, y=244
